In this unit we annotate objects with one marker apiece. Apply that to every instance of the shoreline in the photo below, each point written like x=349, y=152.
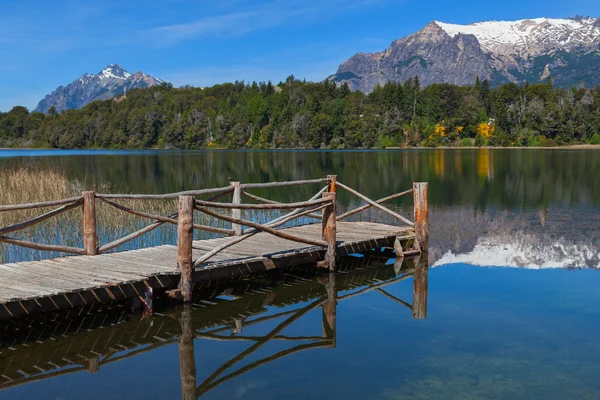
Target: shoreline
x=567, y=147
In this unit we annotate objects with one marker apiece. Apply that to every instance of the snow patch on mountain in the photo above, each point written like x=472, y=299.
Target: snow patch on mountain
x=529, y=36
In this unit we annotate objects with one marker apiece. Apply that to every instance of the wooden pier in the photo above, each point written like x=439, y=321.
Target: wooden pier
x=92, y=337
x=98, y=274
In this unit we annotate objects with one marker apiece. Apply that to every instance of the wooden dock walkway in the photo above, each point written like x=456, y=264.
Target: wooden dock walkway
x=45, y=346
x=97, y=275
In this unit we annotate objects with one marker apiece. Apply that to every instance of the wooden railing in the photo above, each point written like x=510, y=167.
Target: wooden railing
x=321, y=206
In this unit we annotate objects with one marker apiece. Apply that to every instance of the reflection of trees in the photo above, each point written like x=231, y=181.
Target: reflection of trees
x=46, y=346
x=484, y=177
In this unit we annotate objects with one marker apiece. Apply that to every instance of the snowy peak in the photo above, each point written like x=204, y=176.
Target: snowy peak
x=529, y=37
x=112, y=81
x=114, y=71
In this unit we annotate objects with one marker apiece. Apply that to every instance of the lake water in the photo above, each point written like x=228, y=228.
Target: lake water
x=511, y=310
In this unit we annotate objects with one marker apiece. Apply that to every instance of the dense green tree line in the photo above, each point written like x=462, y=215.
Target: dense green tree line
x=296, y=114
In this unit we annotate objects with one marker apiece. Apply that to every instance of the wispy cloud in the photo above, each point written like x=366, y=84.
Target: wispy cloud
x=243, y=20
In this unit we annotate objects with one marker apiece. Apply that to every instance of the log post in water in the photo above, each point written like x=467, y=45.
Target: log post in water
x=90, y=236
x=236, y=212
x=185, y=233
x=187, y=363
x=420, y=286
x=329, y=230
x=420, y=191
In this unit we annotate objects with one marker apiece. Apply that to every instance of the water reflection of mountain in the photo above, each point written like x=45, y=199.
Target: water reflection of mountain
x=547, y=238
x=47, y=346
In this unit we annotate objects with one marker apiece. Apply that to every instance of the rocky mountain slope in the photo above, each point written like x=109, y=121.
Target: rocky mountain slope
x=110, y=82
x=566, y=50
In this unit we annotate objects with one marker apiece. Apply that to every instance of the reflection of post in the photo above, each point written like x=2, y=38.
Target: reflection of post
x=329, y=309
x=187, y=364
x=419, y=307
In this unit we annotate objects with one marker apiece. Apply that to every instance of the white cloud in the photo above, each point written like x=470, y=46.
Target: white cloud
x=244, y=20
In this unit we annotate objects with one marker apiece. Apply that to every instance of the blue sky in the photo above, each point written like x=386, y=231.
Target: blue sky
x=45, y=44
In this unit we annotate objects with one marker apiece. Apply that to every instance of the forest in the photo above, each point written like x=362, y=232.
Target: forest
x=306, y=115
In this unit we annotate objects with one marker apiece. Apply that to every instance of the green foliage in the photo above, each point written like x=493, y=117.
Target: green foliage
x=480, y=141
x=595, y=139
x=466, y=142
x=316, y=115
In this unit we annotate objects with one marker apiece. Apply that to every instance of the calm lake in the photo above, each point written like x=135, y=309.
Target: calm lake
x=512, y=306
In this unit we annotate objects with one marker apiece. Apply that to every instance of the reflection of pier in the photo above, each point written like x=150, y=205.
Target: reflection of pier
x=46, y=346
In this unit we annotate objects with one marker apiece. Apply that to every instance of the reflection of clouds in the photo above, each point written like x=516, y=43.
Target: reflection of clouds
x=524, y=250
x=249, y=386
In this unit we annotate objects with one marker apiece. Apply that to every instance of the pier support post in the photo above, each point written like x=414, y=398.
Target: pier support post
x=184, y=245
x=420, y=287
x=420, y=194
x=236, y=212
x=187, y=363
x=90, y=236
x=329, y=230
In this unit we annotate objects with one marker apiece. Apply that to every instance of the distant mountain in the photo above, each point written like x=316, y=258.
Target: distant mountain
x=566, y=50
x=110, y=82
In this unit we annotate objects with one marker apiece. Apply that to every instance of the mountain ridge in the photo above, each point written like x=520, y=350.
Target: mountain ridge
x=112, y=81
x=567, y=50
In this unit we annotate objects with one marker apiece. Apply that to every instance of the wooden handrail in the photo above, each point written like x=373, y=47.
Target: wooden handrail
x=44, y=247
x=169, y=220
x=278, y=184
x=168, y=196
x=267, y=201
x=376, y=205
x=368, y=205
x=305, y=208
x=18, y=207
x=40, y=218
x=278, y=206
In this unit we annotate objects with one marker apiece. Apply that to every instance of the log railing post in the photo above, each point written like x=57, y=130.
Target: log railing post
x=332, y=183
x=185, y=231
x=329, y=230
x=420, y=193
x=236, y=212
x=90, y=236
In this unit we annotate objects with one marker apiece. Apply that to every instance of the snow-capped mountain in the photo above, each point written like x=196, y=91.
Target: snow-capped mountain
x=110, y=82
x=567, y=50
